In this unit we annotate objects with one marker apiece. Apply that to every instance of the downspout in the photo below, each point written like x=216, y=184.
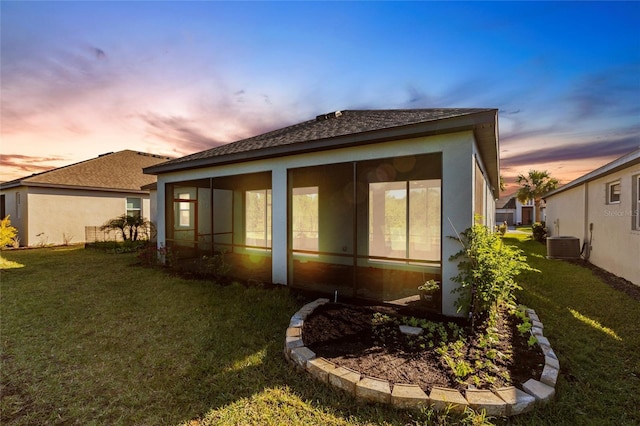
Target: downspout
x=588, y=227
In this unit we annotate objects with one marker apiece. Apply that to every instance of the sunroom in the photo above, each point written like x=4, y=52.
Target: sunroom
x=355, y=204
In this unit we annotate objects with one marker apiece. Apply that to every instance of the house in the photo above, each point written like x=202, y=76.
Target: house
x=602, y=208
x=511, y=210
x=70, y=203
x=355, y=203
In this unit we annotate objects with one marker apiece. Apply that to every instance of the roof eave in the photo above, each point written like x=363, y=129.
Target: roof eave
x=475, y=122
x=74, y=187
x=618, y=164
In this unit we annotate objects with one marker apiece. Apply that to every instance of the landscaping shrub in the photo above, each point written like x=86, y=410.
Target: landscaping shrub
x=539, y=232
x=7, y=232
x=487, y=271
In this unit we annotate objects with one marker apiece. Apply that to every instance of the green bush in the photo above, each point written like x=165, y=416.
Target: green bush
x=487, y=271
x=539, y=231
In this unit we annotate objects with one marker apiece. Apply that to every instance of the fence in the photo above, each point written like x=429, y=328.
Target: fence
x=93, y=234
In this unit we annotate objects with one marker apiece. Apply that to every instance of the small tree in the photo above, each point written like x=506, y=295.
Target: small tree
x=132, y=227
x=535, y=185
x=7, y=232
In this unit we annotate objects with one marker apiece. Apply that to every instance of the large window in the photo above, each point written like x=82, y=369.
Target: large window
x=613, y=192
x=404, y=219
x=258, y=218
x=304, y=213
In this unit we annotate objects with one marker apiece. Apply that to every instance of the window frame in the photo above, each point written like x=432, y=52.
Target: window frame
x=135, y=210
x=611, y=192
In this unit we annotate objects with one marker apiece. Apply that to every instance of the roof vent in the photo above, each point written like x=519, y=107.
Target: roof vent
x=328, y=116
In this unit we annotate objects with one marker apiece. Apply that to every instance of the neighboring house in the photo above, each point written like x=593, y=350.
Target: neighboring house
x=602, y=208
x=60, y=205
x=351, y=203
x=511, y=210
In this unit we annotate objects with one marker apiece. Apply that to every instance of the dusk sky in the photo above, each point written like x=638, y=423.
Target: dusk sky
x=79, y=79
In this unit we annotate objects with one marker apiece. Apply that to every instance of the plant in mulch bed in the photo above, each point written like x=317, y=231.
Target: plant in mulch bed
x=487, y=272
x=487, y=275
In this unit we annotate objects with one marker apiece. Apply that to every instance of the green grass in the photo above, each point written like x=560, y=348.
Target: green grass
x=88, y=337
x=594, y=331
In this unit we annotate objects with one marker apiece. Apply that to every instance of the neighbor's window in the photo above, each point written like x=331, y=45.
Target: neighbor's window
x=613, y=192
x=18, y=205
x=404, y=219
x=134, y=206
x=304, y=215
x=258, y=218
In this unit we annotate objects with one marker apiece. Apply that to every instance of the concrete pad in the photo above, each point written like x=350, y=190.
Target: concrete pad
x=410, y=397
x=344, y=378
x=518, y=402
x=411, y=331
x=320, y=368
x=441, y=398
x=374, y=390
x=300, y=356
x=549, y=375
x=486, y=400
x=540, y=391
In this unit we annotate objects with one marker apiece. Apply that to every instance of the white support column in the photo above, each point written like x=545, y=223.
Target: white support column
x=279, y=225
x=161, y=214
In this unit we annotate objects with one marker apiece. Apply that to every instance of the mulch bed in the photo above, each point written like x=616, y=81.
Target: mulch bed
x=343, y=334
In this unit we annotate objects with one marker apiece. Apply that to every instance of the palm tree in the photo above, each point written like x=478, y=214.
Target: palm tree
x=534, y=186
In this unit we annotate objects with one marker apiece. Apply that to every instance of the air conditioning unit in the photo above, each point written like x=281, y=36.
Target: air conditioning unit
x=563, y=247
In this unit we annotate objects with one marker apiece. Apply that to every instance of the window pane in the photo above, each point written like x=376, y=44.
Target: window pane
x=388, y=219
x=614, y=192
x=424, y=219
x=133, y=203
x=258, y=218
x=304, y=212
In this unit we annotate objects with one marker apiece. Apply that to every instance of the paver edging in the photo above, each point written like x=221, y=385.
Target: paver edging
x=516, y=401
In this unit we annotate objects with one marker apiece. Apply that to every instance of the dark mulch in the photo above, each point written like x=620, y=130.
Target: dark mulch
x=342, y=333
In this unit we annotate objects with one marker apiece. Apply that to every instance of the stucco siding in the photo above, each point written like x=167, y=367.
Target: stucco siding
x=57, y=215
x=615, y=245
x=566, y=214
x=585, y=212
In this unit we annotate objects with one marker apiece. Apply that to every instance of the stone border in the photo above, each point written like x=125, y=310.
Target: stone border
x=506, y=401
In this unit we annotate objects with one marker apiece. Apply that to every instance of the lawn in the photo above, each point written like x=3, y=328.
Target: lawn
x=91, y=338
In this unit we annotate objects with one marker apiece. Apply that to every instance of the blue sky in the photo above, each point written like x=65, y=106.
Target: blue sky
x=83, y=78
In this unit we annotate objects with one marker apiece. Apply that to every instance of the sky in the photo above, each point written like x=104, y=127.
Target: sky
x=79, y=79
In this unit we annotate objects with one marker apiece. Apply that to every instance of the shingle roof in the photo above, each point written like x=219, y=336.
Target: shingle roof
x=352, y=127
x=330, y=126
x=114, y=171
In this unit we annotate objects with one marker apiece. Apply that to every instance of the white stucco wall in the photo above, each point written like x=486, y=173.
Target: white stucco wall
x=54, y=212
x=615, y=245
x=457, y=192
x=566, y=214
